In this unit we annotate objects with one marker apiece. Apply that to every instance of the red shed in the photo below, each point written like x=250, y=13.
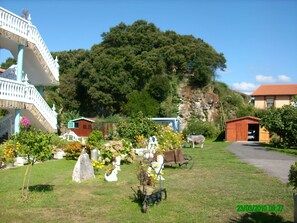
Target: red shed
x=82, y=126
x=246, y=128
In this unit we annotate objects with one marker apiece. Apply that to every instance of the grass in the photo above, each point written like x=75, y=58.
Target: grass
x=292, y=152
x=209, y=192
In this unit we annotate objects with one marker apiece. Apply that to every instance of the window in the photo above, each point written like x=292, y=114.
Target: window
x=70, y=125
x=270, y=102
x=84, y=126
x=76, y=125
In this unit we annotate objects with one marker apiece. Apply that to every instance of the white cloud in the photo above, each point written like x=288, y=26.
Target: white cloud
x=262, y=78
x=244, y=86
x=271, y=79
x=284, y=78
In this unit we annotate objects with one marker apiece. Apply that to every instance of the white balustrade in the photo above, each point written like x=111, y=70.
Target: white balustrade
x=6, y=124
x=25, y=29
x=24, y=92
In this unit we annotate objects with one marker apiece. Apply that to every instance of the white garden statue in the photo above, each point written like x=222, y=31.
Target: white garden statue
x=158, y=167
x=117, y=163
x=151, y=148
x=112, y=177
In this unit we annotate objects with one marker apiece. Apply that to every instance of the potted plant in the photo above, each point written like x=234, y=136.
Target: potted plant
x=293, y=182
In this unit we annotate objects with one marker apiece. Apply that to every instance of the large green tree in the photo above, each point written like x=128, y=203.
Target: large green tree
x=130, y=58
x=133, y=57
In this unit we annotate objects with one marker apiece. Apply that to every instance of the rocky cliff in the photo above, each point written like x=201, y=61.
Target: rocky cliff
x=202, y=103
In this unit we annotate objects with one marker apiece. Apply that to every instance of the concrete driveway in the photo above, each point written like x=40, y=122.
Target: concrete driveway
x=274, y=163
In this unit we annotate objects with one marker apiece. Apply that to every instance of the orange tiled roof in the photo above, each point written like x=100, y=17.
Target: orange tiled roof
x=276, y=89
x=2, y=70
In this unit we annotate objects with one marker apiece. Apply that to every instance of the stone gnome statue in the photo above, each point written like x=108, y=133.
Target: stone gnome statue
x=83, y=169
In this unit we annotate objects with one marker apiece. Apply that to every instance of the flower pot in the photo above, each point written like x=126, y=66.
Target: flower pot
x=20, y=161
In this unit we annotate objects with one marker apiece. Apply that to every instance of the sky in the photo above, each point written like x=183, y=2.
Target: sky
x=257, y=37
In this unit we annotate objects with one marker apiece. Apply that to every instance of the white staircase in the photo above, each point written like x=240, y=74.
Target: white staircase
x=24, y=96
x=38, y=66
x=16, y=30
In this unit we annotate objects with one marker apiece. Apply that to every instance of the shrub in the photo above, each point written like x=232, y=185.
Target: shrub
x=159, y=87
x=35, y=144
x=95, y=138
x=113, y=149
x=168, y=140
x=136, y=126
x=141, y=101
x=10, y=151
x=292, y=178
x=275, y=140
x=73, y=150
x=198, y=127
x=141, y=141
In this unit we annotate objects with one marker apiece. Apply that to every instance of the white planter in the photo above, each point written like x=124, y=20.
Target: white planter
x=59, y=155
x=20, y=161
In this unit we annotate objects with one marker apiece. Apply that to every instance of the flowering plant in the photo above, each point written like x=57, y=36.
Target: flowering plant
x=74, y=149
x=147, y=175
x=25, y=122
x=141, y=141
x=113, y=149
x=10, y=151
x=168, y=140
x=97, y=165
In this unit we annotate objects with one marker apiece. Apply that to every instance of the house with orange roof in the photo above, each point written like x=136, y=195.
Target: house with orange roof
x=274, y=95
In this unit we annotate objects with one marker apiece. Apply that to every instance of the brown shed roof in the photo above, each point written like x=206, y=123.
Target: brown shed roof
x=276, y=89
x=242, y=118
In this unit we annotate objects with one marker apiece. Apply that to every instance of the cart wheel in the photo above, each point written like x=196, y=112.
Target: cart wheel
x=190, y=160
x=144, y=207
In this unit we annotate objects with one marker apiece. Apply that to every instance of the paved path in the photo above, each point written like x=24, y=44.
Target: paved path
x=274, y=163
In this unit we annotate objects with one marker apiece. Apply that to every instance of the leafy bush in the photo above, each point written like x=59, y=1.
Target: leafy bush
x=141, y=101
x=283, y=122
x=35, y=144
x=141, y=141
x=159, y=87
x=113, y=149
x=73, y=150
x=293, y=176
x=198, y=127
x=95, y=138
x=275, y=140
x=10, y=151
x=136, y=126
x=58, y=143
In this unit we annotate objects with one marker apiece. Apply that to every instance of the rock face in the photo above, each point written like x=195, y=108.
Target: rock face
x=198, y=103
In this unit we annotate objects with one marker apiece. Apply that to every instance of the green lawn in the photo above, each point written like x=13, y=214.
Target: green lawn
x=210, y=192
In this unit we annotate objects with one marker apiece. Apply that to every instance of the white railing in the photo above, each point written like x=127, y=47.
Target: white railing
x=25, y=29
x=6, y=124
x=27, y=93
